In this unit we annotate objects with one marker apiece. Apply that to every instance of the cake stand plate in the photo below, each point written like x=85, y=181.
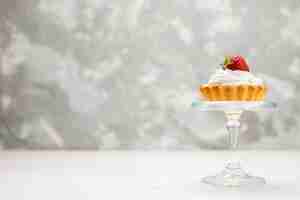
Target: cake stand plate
x=229, y=106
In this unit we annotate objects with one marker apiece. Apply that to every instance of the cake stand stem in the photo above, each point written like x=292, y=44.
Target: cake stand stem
x=233, y=126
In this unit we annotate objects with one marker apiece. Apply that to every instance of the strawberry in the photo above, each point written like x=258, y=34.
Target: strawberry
x=235, y=63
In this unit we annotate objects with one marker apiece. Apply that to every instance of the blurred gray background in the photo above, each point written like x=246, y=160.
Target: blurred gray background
x=114, y=74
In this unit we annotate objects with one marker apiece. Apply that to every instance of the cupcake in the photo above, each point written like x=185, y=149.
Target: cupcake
x=234, y=82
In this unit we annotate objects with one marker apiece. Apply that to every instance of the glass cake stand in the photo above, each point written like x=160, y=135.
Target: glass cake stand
x=233, y=174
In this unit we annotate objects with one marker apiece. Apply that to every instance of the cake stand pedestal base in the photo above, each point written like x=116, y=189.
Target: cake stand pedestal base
x=234, y=176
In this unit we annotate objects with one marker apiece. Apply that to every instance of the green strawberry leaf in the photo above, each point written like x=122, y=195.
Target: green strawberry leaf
x=227, y=60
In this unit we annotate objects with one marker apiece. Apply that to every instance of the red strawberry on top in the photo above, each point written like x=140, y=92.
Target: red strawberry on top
x=235, y=63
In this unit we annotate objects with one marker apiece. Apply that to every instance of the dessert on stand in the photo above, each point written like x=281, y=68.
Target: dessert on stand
x=233, y=89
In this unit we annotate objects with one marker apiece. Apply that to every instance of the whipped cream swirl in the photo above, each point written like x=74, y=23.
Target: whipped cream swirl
x=227, y=76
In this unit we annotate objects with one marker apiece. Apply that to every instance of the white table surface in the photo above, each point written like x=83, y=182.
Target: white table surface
x=141, y=175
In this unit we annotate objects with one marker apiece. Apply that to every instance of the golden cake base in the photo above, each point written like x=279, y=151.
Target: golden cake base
x=217, y=92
